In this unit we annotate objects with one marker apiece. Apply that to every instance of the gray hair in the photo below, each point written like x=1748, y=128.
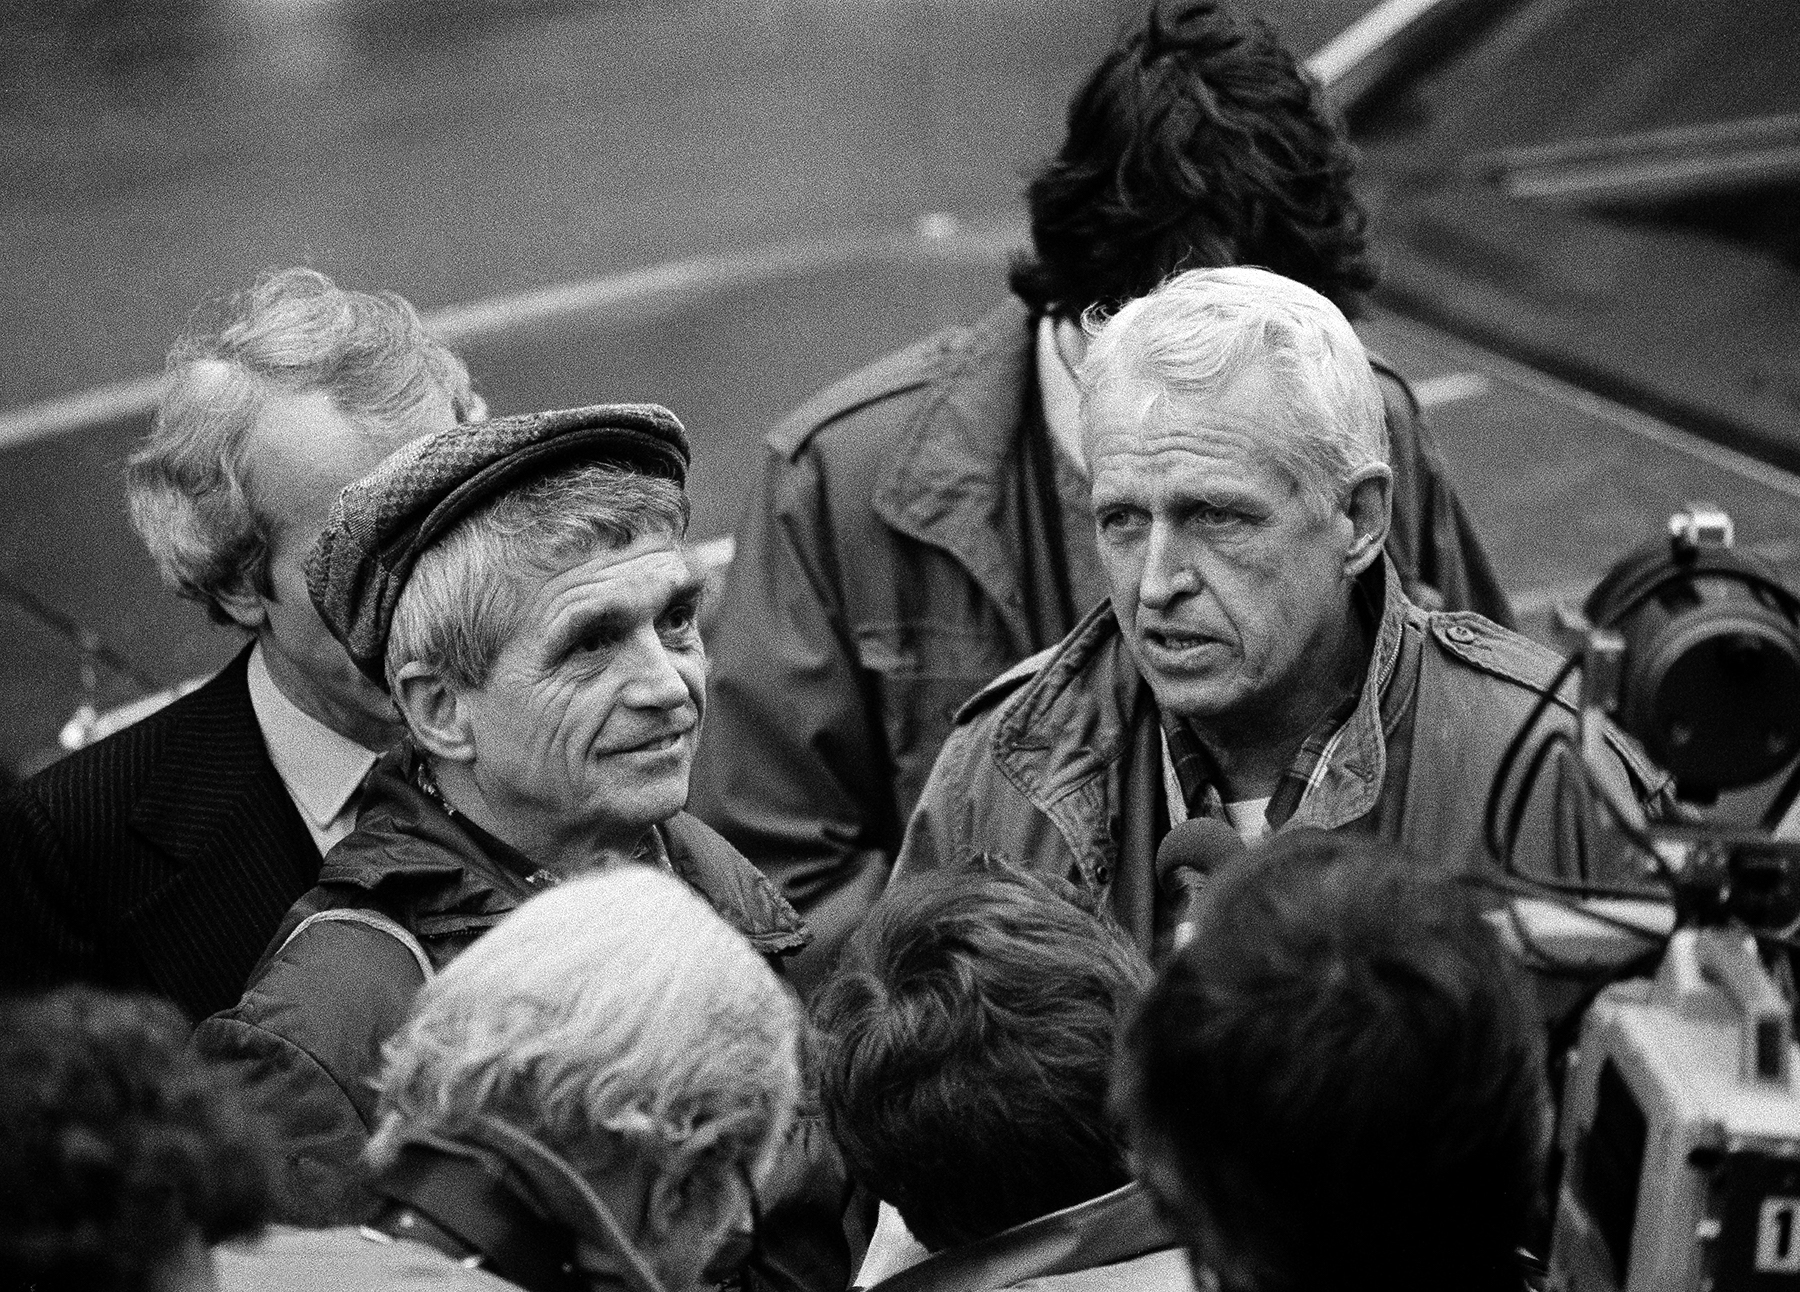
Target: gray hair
x=464, y=596
x=1202, y=330
x=613, y=1016
x=191, y=491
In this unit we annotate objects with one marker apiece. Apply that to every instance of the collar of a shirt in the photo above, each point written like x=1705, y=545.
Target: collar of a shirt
x=1337, y=774
x=321, y=768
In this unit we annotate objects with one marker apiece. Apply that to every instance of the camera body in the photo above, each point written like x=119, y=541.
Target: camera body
x=1680, y=1130
x=1680, y=1119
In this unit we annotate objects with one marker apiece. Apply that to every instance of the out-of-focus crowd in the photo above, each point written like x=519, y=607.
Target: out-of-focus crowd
x=401, y=961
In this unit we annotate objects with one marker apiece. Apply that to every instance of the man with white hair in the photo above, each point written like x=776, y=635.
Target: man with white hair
x=520, y=587
x=1257, y=661
x=162, y=858
x=588, y=1098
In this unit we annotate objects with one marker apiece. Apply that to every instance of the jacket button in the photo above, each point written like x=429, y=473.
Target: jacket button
x=1460, y=633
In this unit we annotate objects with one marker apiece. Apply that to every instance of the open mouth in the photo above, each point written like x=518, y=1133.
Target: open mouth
x=1172, y=646
x=1175, y=639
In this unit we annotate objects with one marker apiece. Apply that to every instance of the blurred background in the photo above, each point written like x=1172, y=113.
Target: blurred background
x=1589, y=215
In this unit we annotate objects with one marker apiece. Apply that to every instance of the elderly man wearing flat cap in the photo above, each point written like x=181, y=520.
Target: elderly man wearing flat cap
x=519, y=587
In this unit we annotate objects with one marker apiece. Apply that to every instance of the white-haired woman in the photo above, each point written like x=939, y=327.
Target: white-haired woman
x=587, y=1098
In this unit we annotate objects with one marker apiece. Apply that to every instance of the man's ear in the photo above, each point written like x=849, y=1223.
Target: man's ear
x=244, y=604
x=696, y=1208
x=436, y=713
x=1368, y=500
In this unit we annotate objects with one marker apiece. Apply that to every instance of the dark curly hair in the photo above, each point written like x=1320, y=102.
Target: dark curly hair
x=116, y=1144
x=1198, y=143
x=963, y=1050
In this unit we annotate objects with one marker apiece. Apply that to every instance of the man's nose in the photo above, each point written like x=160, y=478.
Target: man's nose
x=655, y=681
x=1168, y=573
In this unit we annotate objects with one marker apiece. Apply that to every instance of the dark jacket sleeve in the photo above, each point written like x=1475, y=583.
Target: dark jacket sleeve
x=44, y=940
x=304, y=1044
x=791, y=767
x=1432, y=542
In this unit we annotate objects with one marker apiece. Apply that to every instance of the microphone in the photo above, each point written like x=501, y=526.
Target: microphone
x=1188, y=854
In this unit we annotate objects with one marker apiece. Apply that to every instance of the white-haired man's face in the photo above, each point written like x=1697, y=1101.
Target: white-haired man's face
x=1231, y=583
x=585, y=727
x=300, y=453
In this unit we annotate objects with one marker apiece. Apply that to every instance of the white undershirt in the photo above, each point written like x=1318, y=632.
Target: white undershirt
x=321, y=769
x=1249, y=817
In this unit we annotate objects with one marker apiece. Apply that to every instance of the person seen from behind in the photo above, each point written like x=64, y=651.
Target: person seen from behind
x=123, y=1158
x=964, y=1048
x=1339, y=1081
x=587, y=1100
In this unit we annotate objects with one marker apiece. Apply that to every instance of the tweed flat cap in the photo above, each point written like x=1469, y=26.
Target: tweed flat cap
x=381, y=524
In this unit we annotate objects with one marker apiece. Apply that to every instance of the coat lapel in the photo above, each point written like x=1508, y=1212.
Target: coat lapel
x=237, y=852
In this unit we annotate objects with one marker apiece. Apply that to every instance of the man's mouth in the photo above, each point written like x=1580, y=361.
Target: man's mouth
x=1177, y=646
x=656, y=744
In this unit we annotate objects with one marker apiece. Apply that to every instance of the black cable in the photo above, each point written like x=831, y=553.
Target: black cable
x=1579, y=888
x=84, y=640
x=1491, y=815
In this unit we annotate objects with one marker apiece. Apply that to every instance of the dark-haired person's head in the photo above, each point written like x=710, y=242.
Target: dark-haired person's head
x=1199, y=142
x=1340, y=1079
x=965, y=1049
x=122, y=1158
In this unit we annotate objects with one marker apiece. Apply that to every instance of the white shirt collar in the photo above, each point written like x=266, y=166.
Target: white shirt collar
x=1060, y=395
x=321, y=768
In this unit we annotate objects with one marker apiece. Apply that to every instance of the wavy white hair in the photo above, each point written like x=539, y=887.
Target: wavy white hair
x=1203, y=330
x=612, y=1017
x=192, y=493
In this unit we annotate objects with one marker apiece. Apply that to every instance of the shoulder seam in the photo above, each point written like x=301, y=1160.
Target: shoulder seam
x=368, y=919
x=1442, y=624
x=897, y=374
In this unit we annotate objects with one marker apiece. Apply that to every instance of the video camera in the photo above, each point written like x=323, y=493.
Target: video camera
x=1680, y=1117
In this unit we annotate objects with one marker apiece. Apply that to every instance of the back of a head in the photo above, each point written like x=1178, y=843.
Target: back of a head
x=1342, y=1071
x=121, y=1155
x=1199, y=141
x=964, y=1048
x=612, y=1018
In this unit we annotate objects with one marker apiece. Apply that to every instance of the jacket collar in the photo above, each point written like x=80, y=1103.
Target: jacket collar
x=1346, y=781
x=447, y=876
x=945, y=484
x=1072, y=722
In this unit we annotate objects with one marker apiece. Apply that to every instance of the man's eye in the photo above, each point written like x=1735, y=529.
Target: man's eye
x=1116, y=520
x=1214, y=515
x=680, y=618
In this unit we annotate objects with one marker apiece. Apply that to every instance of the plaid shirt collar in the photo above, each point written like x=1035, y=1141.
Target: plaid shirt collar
x=1336, y=776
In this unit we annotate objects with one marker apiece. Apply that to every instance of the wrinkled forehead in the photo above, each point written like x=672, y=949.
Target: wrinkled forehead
x=635, y=581
x=1247, y=416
